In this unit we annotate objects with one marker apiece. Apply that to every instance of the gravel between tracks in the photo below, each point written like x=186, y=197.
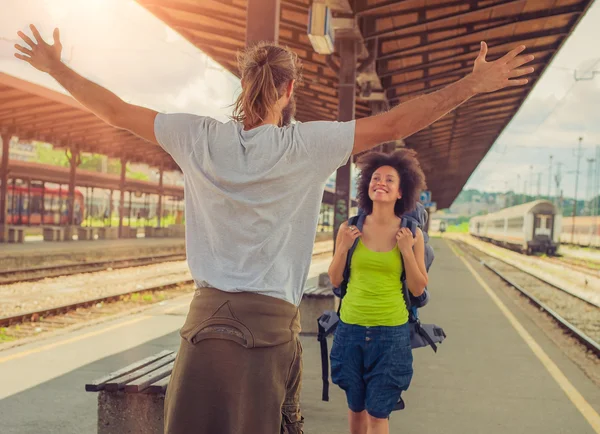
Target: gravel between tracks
x=57, y=291
x=583, y=284
x=50, y=292
x=579, y=313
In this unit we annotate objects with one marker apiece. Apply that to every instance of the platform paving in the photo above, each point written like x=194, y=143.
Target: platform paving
x=484, y=378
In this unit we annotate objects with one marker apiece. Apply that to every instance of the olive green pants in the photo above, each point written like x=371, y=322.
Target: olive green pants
x=238, y=369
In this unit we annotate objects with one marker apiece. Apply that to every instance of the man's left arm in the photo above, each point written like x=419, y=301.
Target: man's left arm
x=416, y=114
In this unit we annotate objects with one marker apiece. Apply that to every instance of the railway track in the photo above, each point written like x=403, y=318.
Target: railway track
x=69, y=313
x=8, y=277
x=579, y=316
x=574, y=264
x=42, y=314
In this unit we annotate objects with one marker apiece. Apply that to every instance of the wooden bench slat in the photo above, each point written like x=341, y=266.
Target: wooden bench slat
x=99, y=384
x=120, y=382
x=160, y=386
x=145, y=381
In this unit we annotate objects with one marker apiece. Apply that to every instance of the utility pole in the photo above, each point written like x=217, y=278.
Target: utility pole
x=531, y=179
x=539, y=186
x=550, y=178
x=596, y=183
x=576, y=187
x=557, y=180
x=518, y=189
x=589, y=190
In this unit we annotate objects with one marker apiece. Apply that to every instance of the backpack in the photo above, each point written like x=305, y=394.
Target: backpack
x=420, y=334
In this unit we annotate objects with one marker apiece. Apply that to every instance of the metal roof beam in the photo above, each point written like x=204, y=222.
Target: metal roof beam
x=486, y=24
x=59, y=121
x=10, y=112
x=454, y=74
x=469, y=59
x=397, y=97
x=471, y=46
x=367, y=10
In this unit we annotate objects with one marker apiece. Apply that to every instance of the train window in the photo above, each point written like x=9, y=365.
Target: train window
x=36, y=205
x=515, y=222
x=538, y=222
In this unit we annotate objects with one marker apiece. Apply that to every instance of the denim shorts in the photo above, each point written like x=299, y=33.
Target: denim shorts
x=373, y=365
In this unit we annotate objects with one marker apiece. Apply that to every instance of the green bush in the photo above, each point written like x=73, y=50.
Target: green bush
x=461, y=228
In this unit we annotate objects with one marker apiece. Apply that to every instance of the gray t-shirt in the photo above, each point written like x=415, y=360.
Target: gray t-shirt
x=252, y=198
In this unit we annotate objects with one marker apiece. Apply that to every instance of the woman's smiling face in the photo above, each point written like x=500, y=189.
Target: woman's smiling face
x=385, y=185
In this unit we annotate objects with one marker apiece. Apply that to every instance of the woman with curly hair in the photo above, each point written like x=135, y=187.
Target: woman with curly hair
x=371, y=358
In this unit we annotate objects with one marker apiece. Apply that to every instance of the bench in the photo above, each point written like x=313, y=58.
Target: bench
x=108, y=233
x=177, y=231
x=54, y=233
x=155, y=232
x=131, y=400
x=316, y=300
x=16, y=234
x=129, y=232
x=86, y=233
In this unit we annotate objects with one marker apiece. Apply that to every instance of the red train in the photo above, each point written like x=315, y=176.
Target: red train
x=24, y=205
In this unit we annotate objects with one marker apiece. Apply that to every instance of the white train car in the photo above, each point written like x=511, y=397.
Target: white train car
x=581, y=231
x=530, y=227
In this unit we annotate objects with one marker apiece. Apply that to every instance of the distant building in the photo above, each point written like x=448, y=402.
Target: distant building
x=22, y=151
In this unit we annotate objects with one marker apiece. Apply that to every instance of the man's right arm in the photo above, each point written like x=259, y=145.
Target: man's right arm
x=106, y=105
x=100, y=101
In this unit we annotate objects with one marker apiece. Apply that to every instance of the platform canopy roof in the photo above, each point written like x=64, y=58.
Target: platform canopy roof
x=36, y=172
x=34, y=112
x=407, y=48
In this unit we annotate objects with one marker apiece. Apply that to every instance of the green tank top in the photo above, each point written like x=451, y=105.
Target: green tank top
x=374, y=294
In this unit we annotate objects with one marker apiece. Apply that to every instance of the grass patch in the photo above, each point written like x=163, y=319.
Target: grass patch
x=462, y=228
x=4, y=337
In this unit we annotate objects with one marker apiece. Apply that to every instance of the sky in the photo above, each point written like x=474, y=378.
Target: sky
x=121, y=46
x=558, y=111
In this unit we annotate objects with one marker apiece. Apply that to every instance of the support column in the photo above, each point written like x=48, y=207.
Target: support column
x=378, y=107
x=28, y=202
x=43, y=209
x=74, y=161
x=122, y=195
x=110, y=208
x=129, y=216
x=4, y=187
x=262, y=21
x=346, y=108
x=160, y=195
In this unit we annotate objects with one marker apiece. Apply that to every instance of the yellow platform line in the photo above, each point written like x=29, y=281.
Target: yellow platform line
x=71, y=340
x=572, y=393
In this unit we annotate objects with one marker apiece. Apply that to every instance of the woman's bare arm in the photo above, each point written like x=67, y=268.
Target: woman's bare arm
x=414, y=266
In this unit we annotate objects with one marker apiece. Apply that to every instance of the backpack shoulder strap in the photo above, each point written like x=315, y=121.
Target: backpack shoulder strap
x=358, y=221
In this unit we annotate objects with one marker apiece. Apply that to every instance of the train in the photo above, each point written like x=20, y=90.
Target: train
x=24, y=205
x=529, y=228
x=581, y=231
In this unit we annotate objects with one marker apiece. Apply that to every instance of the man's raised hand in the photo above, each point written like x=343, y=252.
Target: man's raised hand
x=501, y=73
x=40, y=55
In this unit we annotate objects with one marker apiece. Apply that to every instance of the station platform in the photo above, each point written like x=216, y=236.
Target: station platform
x=41, y=253
x=497, y=372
